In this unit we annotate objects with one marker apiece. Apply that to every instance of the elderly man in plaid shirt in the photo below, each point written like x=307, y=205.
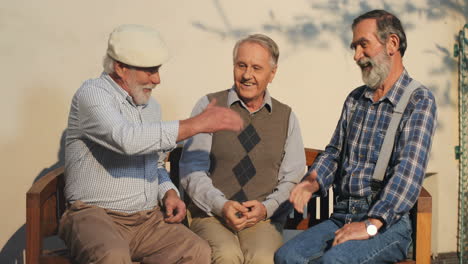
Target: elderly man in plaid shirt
x=370, y=223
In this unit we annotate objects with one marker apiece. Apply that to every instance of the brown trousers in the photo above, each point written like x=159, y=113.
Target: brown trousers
x=97, y=235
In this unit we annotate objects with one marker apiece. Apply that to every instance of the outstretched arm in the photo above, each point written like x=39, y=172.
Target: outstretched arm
x=194, y=168
x=212, y=119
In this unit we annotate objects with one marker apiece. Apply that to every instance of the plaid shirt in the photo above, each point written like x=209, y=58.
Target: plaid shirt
x=406, y=169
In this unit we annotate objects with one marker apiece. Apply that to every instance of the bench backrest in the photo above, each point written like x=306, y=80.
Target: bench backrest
x=45, y=204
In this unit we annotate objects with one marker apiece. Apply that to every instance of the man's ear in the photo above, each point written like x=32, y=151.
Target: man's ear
x=119, y=69
x=393, y=44
x=273, y=73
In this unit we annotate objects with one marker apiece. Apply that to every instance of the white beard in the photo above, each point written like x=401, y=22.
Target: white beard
x=137, y=90
x=380, y=68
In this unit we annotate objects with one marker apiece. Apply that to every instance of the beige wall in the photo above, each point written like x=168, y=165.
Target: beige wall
x=47, y=49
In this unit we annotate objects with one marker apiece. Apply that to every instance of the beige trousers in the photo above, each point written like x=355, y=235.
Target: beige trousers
x=96, y=235
x=253, y=245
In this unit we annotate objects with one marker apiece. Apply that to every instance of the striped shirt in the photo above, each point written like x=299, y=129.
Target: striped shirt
x=406, y=169
x=115, y=150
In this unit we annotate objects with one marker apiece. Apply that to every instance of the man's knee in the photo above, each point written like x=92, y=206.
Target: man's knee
x=281, y=256
x=287, y=254
x=115, y=255
x=261, y=256
x=201, y=251
x=104, y=254
x=336, y=256
x=227, y=254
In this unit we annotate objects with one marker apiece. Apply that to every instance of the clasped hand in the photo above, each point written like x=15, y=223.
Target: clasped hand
x=239, y=216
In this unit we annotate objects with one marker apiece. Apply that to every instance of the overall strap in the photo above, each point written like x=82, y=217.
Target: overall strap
x=389, y=140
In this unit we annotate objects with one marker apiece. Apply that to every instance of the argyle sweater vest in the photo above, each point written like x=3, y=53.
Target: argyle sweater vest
x=245, y=165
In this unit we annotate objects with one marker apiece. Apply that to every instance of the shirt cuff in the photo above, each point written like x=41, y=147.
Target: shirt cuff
x=383, y=211
x=218, y=205
x=164, y=187
x=271, y=205
x=322, y=189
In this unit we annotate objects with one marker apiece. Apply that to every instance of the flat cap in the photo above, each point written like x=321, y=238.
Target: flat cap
x=137, y=45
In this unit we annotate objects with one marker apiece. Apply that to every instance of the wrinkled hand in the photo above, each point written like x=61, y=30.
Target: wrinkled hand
x=175, y=207
x=212, y=119
x=354, y=231
x=302, y=192
x=257, y=212
x=215, y=118
x=233, y=213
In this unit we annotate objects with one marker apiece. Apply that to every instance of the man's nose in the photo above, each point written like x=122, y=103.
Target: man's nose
x=358, y=53
x=155, y=78
x=247, y=73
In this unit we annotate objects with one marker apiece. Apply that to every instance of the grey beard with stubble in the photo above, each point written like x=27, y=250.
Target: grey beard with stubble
x=379, y=72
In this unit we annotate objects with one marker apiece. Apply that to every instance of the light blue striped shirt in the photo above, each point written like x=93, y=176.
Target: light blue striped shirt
x=115, y=150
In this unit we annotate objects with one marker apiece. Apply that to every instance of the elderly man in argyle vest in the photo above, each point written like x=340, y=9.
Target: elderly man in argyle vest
x=239, y=182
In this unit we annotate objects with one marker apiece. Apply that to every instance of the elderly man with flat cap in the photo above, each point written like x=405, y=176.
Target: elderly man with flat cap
x=116, y=144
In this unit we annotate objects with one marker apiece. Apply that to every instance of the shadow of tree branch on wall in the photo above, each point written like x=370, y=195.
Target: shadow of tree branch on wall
x=309, y=28
x=448, y=63
x=335, y=18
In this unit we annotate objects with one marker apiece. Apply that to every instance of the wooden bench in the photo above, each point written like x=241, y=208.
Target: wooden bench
x=45, y=204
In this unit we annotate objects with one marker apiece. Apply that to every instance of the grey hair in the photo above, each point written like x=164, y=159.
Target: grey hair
x=387, y=24
x=265, y=42
x=108, y=64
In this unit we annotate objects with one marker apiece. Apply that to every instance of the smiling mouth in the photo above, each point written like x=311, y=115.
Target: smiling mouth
x=365, y=63
x=365, y=66
x=247, y=83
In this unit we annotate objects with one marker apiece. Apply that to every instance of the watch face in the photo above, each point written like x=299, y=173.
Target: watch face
x=371, y=230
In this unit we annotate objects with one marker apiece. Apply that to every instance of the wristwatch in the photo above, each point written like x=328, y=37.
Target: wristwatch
x=370, y=228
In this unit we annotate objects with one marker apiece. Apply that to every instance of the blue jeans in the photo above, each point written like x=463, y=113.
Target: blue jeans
x=314, y=245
